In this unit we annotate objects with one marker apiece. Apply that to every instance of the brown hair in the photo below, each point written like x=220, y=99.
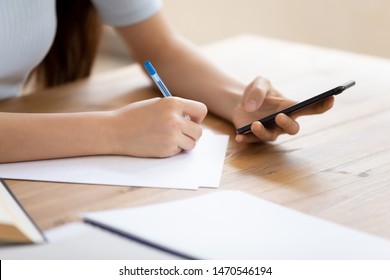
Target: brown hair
x=75, y=45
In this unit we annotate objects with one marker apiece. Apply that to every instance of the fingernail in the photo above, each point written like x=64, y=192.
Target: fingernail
x=257, y=126
x=251, y=105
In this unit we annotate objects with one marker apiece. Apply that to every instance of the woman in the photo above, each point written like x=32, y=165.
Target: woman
x=53, y=42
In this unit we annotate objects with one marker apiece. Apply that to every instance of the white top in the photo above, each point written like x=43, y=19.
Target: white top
x=27, y=31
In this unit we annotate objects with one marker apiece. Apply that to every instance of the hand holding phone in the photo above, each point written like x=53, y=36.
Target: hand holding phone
x=270, y=120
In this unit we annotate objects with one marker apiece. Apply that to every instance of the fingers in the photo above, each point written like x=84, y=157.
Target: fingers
x=191, y=129
x=187, y=143
x=287, y=124
x=191, y=134
x=259, y=133
x=193, y=110
x=255, y=93
x=189, y=115
x=261, y=99
x=317, y=108
x=183, y=135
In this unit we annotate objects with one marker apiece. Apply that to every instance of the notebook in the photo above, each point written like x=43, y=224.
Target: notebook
x=236, y=225
x=16, y=226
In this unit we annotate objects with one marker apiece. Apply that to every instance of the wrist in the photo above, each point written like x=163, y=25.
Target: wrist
x=95, y=133
x=110, y=140
x=228, y=102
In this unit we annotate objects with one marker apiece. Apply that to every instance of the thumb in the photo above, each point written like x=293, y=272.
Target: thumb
x=255, y=93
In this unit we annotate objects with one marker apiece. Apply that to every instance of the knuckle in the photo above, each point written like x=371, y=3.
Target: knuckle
x=169, y=103
x=173, y=123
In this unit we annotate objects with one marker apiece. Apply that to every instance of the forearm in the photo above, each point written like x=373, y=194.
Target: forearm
x=43, y=136
x=188, y=73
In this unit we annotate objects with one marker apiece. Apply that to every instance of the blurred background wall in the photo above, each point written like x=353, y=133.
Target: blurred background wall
x=355, y=25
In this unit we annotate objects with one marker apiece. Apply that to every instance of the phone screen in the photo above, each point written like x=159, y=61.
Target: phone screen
x=270, y=120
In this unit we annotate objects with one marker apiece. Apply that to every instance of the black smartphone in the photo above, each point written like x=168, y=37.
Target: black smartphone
x=269, y=121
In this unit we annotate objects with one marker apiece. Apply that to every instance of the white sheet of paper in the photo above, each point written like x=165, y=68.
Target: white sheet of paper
x=201, y=167
x=235, y=225
x=83, y=242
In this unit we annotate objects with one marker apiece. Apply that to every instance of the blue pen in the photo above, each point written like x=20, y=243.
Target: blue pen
x=160, y=84
x=156, y=78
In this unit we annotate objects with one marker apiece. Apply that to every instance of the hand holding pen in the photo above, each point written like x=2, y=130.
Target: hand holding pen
x=155, y=127
x=173, y=123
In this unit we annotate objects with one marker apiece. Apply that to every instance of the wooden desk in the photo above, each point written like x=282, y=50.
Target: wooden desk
x=337, y=168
